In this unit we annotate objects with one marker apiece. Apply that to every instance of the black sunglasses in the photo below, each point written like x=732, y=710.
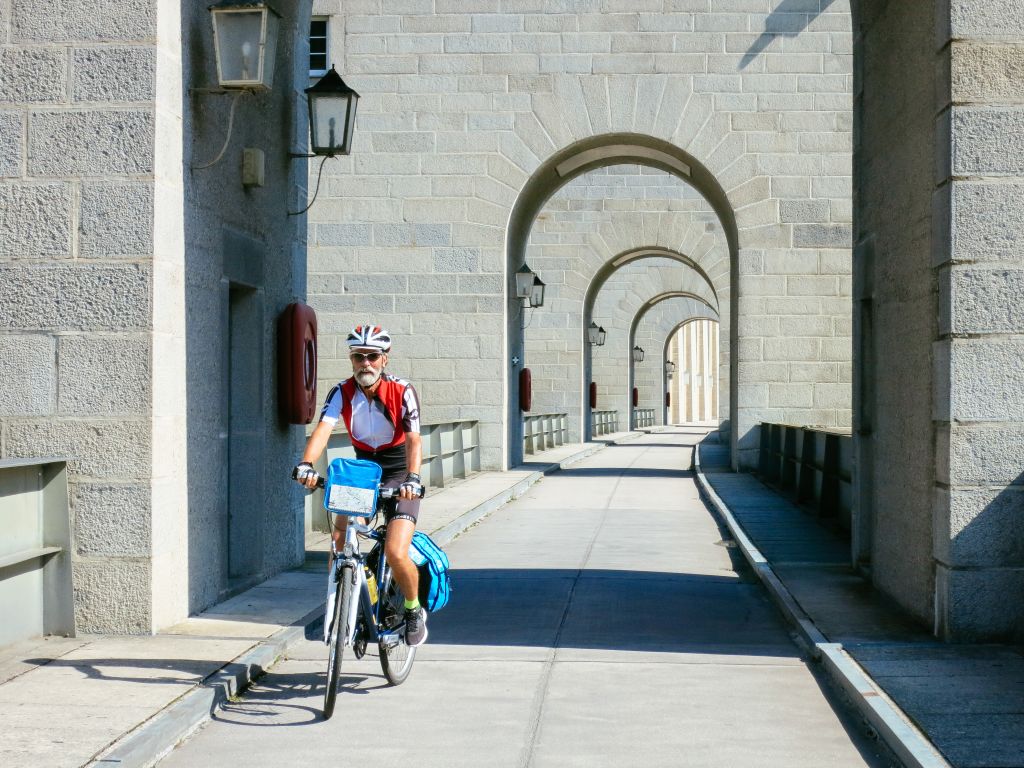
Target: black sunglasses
x=359, y=357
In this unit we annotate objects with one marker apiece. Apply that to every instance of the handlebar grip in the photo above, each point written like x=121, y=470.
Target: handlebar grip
x=392, y=493
x=319, y=478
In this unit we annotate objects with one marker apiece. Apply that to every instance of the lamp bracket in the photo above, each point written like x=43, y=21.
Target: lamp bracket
x=217, y=91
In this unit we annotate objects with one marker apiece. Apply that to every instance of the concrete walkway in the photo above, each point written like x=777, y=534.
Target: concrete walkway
x=967, y=700
x=126, y=700
x=598, y=620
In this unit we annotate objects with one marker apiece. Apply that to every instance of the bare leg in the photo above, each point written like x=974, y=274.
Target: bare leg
x=396, y=548
x=338, y=534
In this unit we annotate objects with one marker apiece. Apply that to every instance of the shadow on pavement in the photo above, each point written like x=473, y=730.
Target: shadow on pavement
x=610, y=610
x=642, y=472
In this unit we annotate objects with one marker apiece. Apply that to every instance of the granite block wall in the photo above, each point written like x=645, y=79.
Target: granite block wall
x=77, y=280
x=110, y=355
x=464, y=102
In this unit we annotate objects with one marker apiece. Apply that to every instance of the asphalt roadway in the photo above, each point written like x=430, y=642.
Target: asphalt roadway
x=598, y=620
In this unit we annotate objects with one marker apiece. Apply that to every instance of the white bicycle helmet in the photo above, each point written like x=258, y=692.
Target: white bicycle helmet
x=369, y=337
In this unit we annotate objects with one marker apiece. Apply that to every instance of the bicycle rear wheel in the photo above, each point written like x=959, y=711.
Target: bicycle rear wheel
x=396, y=657
x=336, y=640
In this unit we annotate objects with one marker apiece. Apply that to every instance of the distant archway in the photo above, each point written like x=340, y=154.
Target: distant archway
x=616, y=275
x=565, y=165
x=665, y=356
x=711, y=314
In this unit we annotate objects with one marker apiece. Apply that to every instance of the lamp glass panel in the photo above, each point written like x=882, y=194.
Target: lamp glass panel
x=601, y=333
x=524, y=283
x=239, y=37
x=330, y=118
x=593, y=333
x=537, y=294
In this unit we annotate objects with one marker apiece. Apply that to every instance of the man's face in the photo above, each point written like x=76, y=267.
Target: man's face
x=367, y=365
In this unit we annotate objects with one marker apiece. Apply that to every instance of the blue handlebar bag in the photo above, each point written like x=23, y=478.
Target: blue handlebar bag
x=352, y=486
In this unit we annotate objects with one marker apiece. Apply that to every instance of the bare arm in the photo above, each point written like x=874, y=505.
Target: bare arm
x=315, y=446
x=413, y=452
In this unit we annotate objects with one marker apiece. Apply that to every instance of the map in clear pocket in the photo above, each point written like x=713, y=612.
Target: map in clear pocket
x=345, y=498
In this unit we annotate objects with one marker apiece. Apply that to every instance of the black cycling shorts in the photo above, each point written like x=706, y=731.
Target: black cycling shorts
x=404, y=509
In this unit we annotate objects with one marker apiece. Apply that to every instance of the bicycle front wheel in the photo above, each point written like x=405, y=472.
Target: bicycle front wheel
x=396, y=657
x=336, y=640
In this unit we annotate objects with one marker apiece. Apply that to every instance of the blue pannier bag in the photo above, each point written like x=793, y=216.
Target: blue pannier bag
x=352, y=486
x=432, y=563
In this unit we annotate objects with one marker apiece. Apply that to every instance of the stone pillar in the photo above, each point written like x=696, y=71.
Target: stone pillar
x=939, y=386
x=979, y=374
x=168, y=485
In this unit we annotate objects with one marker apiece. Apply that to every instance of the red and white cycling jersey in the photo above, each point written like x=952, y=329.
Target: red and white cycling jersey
x=378, y=424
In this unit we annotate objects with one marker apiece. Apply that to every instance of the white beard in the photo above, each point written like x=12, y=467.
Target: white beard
x=367, y=378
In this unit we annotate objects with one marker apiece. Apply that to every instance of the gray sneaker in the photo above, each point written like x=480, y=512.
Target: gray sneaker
x=415, y=627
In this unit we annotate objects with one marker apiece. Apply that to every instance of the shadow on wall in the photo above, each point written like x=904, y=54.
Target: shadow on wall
x=788, y=20
x=984, y=595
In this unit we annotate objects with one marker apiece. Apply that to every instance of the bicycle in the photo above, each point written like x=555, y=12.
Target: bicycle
x=378, y=612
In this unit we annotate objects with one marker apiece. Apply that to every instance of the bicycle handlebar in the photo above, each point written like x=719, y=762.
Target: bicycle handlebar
x=384, y=493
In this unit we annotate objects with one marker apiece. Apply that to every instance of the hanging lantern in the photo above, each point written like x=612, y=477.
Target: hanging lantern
x=332, y=115
x=524, y=282
x=537, y=293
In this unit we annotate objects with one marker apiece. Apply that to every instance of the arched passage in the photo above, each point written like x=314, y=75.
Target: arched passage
x=619, y=262
x=665, y=355
x=695, y=307
x=565, y=165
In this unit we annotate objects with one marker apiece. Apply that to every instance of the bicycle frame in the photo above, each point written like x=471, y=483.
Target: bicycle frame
x=350, y=555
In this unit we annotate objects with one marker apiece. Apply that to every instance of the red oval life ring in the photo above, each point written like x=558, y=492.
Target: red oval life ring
x=636, y=397
x=297, y=362
x=525, y=390
x=593, y=394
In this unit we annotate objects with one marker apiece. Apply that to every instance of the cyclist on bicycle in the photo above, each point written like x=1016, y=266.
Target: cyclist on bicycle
x=382, y=416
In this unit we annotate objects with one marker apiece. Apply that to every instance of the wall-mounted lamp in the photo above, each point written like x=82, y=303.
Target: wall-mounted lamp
x=245, y=47
x=245, y=43
x=537, y=293
x=332, y=115
x=596, y=335
x=638, y=354
x=524, y=282
x=332, y=122
x=670, y=368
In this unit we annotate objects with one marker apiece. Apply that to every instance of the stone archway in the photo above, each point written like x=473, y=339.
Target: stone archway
x=665, y=356
x=693, y=309
x=570, y=162
x=613, y=267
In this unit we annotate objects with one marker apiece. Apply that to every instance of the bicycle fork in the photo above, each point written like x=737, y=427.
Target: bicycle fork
x=348, y=627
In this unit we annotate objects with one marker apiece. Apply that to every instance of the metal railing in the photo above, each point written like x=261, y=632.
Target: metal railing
x=544, y=430
x=643, y=417
x=35, y=560
x=603, y=422
x=812, y=465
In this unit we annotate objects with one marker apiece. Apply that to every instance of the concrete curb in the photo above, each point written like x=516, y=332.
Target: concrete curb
x=888, y=720
x=156, y=737
x=908, y=743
